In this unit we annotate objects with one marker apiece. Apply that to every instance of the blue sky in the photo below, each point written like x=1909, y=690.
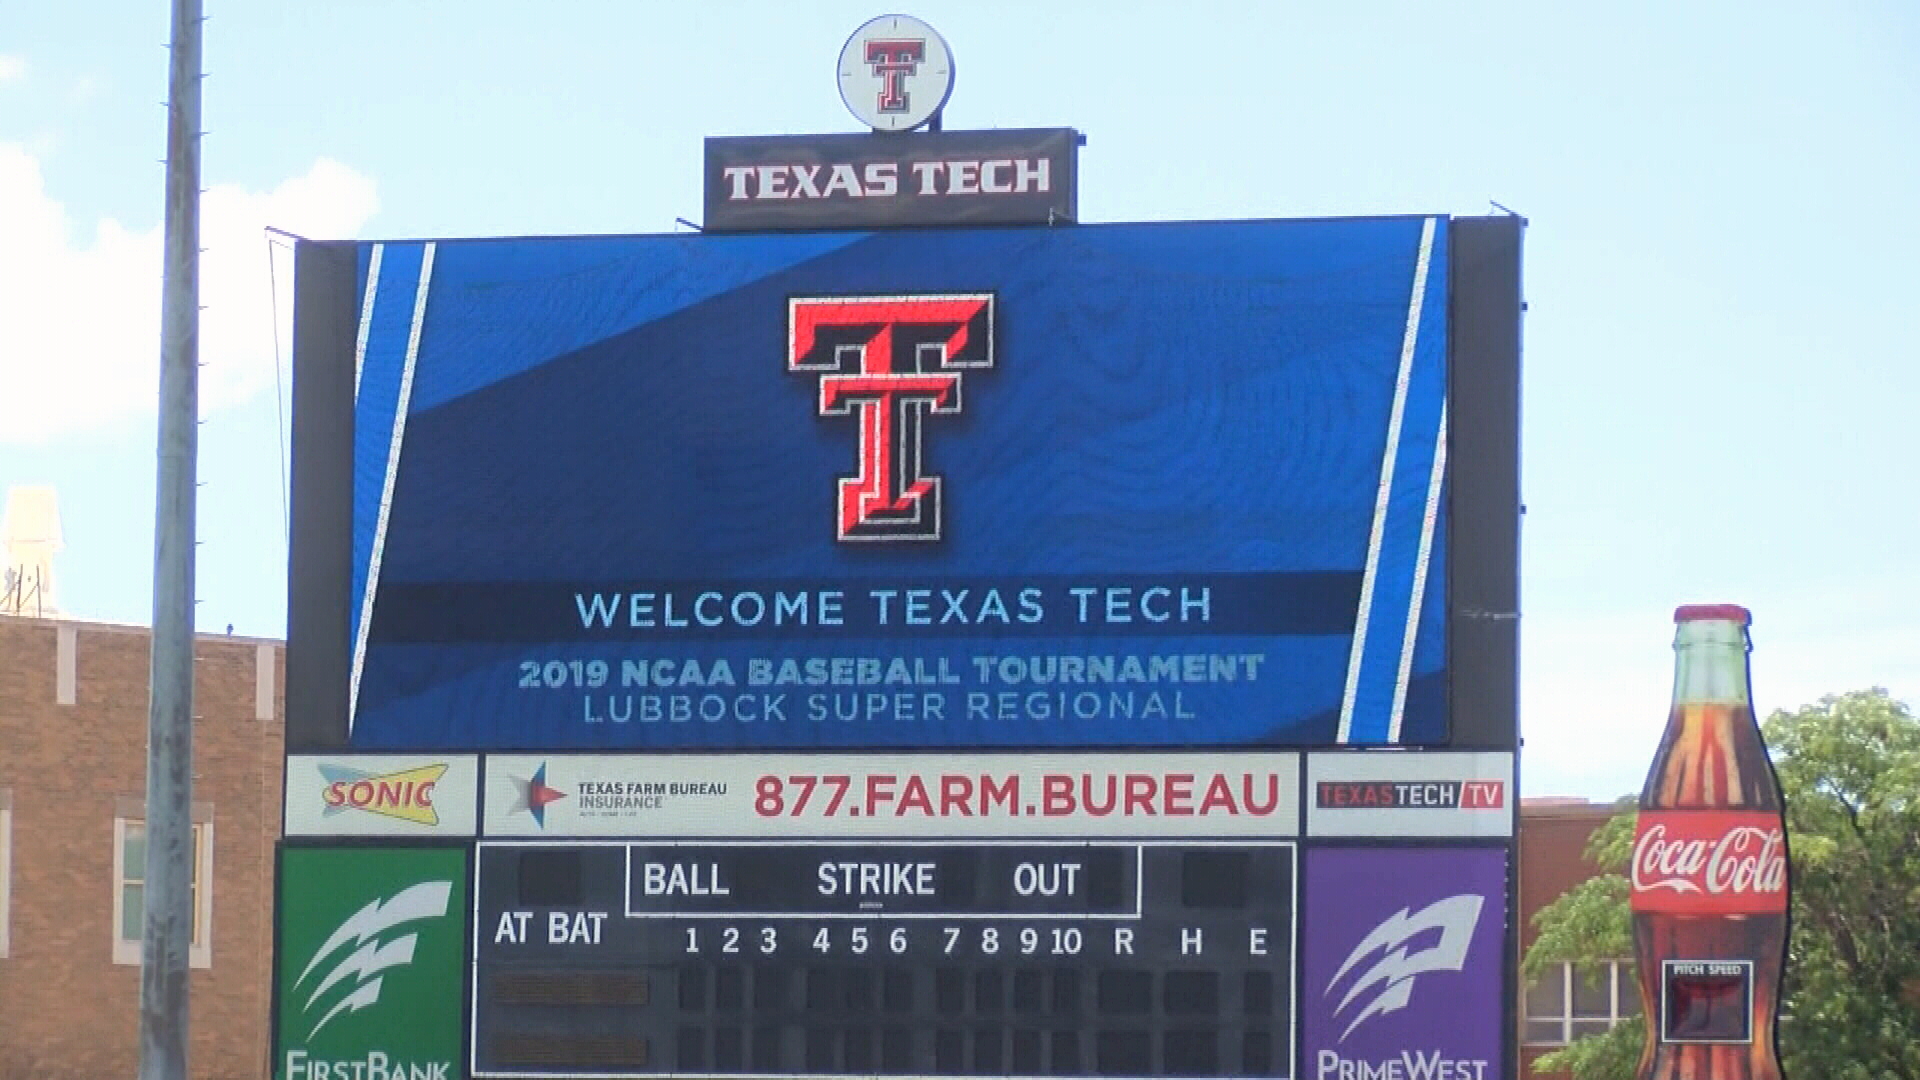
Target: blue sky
x=1720, y=361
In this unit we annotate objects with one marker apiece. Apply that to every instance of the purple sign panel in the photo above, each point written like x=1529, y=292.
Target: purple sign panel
x=1401, y=972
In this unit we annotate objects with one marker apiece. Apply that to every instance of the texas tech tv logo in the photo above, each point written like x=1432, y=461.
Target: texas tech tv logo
x=1410, y=794
x=891, y=361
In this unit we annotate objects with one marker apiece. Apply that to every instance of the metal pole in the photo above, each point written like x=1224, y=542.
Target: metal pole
x=168, y=893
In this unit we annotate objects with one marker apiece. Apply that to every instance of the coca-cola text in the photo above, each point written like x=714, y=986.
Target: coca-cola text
x=1709, y=863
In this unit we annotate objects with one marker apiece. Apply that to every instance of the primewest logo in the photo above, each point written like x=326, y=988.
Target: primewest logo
x=376, y=948
x=406, y=795
x=1387, y=986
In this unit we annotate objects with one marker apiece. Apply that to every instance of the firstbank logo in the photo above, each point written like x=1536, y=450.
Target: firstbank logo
x=380, y=950
x=893, y=360
x=1387, y=986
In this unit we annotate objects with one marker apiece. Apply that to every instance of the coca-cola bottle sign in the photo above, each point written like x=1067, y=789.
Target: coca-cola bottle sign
x=1707, y=862
x=1709, y=871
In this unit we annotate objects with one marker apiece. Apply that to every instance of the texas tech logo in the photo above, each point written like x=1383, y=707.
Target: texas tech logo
x=892, y=62
x=892, y=360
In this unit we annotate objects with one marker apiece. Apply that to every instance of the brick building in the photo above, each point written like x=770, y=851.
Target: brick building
x=1564, y=1004
x=73, y=735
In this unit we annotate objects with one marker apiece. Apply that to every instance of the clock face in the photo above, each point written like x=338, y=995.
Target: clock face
x=895, y=73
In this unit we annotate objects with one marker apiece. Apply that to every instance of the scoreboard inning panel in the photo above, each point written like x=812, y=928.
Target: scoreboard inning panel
x=929, y=958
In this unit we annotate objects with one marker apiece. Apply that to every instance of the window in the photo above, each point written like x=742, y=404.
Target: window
x=1568, y=1001
x=129, y=888
x=6, y=865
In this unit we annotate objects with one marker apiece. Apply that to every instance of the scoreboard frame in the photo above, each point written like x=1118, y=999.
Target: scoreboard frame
x=1484, y=308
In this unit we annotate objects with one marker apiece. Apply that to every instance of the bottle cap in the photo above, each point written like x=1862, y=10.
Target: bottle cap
x=1703, y=612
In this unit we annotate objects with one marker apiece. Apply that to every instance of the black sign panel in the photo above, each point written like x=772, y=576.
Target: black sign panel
x=1014, y=177
x=892, y=958
x=1706, y=1001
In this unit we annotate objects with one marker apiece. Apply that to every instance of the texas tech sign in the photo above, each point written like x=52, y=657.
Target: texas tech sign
x=1018, y=176
x=891, y=360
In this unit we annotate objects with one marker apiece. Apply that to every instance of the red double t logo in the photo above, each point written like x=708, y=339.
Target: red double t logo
x=893, y=61
x=894, y=360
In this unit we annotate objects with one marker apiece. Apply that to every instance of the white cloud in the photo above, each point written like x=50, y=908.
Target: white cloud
x=79, y=321
x=12, y=67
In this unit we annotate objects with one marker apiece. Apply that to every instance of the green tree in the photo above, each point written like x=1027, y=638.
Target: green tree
x=1850, y=769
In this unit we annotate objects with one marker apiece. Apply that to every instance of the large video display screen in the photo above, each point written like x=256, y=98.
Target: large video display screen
x=1121, y=485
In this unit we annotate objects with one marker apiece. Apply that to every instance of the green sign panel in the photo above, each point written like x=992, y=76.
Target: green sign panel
x=370, y=962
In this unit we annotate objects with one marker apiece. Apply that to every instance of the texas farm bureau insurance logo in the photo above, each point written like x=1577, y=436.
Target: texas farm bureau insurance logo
x=405, y=795
x=533, y=795
x=892, y=361
x=373, y=943
x=895, y=73
x=1388, y=984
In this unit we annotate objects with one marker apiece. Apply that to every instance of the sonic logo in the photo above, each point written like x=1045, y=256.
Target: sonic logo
x=406, y=795
x=890, y=360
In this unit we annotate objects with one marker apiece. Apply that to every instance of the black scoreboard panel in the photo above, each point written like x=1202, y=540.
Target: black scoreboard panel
x=923, y=958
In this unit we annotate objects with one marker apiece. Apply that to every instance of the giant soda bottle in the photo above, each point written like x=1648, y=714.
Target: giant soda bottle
x=1709, y=871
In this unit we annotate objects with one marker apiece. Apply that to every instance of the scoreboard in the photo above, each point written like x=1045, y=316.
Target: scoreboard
x=1051, y=914
x=1077, y=650
x=887, y=914
x=915, y=958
